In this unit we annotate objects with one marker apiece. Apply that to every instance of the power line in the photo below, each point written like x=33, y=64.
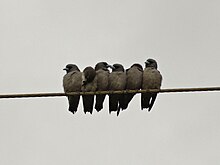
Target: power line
x=170, y=90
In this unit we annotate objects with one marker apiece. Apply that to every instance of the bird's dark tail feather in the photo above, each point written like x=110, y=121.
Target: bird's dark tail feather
x=126, y=100
x=153, y=98
x=145, y=100
x=99, y=102
x=118, y=110
x=73, y=103
x=122, y=105
x=88, y=101
x=113, y=102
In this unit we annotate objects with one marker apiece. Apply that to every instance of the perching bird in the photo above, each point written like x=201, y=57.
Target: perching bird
x=117, y=81
x=151, y=80
x=89, y=84
x=72, y=82
x=102, y=74
x=134, y=82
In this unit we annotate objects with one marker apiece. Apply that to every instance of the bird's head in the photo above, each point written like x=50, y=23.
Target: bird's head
x=118, y=67
x=151, y=63
x=138, y=66
x=89, y=74
x=70, y=68
x=103, y=65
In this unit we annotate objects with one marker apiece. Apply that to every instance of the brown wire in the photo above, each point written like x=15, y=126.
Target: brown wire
x=172, y=90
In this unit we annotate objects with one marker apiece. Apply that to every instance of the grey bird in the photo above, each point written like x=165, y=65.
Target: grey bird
x=134, y=82
x=72, y=82
x=117, y=81
x=102, y=74
x=152, y=79
x=89, y=84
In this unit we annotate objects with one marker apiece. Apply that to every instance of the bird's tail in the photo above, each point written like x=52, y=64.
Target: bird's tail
x=73, y=103
x=99, y=102
x=126, y=100
x=88, y=101
x=113, y=102
x=153, y=98
x=118, y=110
x=122, y=104
x=145, y=100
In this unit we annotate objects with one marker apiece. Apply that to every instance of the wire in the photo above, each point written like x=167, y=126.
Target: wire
x=172, y=90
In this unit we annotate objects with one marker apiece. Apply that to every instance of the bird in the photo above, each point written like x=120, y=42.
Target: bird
x=89, y=84
x=117, y=81
x=102, y=74
x=133, y=82
x=72, y=82
x=152, y=79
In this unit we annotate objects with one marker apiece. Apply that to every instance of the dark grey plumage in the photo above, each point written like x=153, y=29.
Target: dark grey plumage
x=134, y=82
x=89, y=84
x=102, y=74
x=117, y=81
x=151, y=80
x=72, y=82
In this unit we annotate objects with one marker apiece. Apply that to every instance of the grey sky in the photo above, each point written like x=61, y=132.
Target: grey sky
x=39, y=37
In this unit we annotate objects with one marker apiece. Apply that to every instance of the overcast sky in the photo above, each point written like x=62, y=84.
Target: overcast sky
x=39, y=37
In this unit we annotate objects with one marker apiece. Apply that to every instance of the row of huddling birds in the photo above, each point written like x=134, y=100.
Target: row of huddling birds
x=101, y=79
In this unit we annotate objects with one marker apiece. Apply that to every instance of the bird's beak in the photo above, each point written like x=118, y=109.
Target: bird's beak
x=110, y=66
x=147, y=63
x=66, y=69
